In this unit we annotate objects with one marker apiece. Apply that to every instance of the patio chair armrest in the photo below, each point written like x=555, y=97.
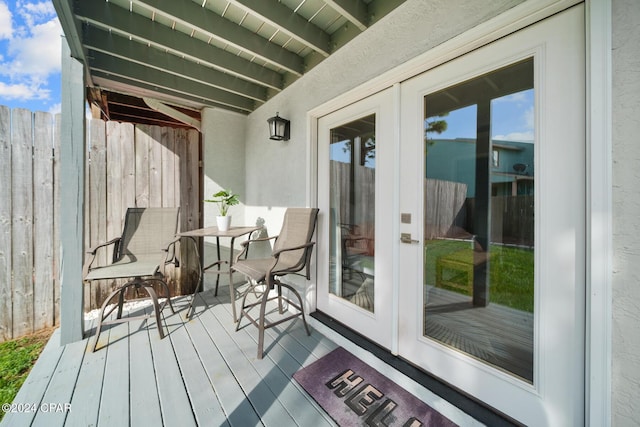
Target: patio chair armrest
x=261, y=239
x=246, y=243
x=276, y=254
x=170, y=248
x=86, y=268
x=94, y=249
x=171, y=243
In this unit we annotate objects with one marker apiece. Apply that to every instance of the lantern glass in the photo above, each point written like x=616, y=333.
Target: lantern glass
x=278, y=128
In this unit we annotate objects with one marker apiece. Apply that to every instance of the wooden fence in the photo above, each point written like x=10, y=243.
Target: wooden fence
x=140, y=166
x=29, y=288
x=144, y=166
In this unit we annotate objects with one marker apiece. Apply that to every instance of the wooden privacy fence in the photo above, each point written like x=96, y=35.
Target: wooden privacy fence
x=29, y=288
x=140, y=166
x=127, y=166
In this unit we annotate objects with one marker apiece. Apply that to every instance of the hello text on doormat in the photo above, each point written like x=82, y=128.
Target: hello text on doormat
x=353, y=393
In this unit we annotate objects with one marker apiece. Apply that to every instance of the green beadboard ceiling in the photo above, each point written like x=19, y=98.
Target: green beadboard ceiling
x=232, y=54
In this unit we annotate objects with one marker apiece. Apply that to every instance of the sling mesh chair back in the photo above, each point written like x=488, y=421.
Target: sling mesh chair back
x=291, y=254
x=140, y=254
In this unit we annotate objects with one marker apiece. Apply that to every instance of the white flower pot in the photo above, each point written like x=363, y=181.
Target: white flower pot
x=224, y=222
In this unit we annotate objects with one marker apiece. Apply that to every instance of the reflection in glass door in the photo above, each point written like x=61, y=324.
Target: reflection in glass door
x=493, y=165
x=352, y=207
x=479, y=218
x=356, y=161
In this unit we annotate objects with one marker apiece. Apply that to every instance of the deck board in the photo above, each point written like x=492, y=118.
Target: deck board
x=114, y=402
x=90, y=380
x=203, y=373
x=206, y=407
x=62, y=385
x=144, y=402
x=276, y=370
x=174, y=399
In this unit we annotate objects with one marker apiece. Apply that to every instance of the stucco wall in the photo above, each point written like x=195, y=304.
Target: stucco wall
x=411, y=29
x=223, y=136
x=626, y=213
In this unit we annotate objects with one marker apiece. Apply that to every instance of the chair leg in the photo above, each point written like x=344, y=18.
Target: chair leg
x=243, y=305
x=156, y=307
x=121, y=300
x=263, y=305
x=280, y=309
x=301, y=306
x=138, y=283
x=232, y=296
x=166, y=288
x=119, y=291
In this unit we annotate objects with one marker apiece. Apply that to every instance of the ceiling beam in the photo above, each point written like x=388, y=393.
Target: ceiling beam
x=158, y=79
x=137, y=88
x=173, y=113
x=120, y=47
x=288, y=22
x=355, y=11
x=108, y=16
x=201, y=19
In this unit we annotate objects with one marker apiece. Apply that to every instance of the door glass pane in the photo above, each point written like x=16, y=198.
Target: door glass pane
x=352, y=211
x=479, y=218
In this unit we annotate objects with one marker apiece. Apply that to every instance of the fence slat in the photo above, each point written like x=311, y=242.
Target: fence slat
x=155, y=167
x=43, y=221
x=168, y=167
x=114, y=196
x=97, y=204
x=6, y=310
x=22, y=214
x=143, y=147
x=56, y=221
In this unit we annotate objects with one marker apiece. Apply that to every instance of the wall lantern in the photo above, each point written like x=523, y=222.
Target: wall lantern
x=279, y=128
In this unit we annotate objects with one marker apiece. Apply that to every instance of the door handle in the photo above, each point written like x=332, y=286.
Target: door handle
x=406, y=238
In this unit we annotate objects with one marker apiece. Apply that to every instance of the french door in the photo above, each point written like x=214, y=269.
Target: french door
x=356, y=161
x=454, y=221
x=493, y=169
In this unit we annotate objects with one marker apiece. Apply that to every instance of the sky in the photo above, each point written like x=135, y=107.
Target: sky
x=512, y=119
x=30, y=40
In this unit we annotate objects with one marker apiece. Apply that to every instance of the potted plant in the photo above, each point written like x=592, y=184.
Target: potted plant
x=224, y=199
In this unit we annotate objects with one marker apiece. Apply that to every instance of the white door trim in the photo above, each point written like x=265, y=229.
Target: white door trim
x=599, y=214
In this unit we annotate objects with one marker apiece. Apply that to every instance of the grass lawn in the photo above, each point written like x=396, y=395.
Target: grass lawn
x=16, y=359
x=510, y=273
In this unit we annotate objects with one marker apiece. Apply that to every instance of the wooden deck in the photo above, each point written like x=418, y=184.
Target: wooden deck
x=498, y=335
x=203, y=373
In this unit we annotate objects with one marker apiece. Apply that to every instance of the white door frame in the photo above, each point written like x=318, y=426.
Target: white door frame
x=379, y=323
x=599, y=165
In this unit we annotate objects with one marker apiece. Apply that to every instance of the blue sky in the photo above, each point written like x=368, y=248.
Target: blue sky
x=29, y=55
x=512, y=119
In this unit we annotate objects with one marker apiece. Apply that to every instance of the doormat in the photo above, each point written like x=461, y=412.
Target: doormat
x=353, y=393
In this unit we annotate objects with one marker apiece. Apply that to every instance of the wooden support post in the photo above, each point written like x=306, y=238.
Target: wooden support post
x=72, y=159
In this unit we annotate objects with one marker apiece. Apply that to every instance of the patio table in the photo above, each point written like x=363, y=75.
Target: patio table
x=233, y=233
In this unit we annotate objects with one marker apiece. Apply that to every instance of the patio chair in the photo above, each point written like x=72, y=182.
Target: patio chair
x=140, y=254
x=291, y=254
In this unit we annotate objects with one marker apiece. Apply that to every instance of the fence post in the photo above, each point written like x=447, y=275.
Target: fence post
x=72, y=158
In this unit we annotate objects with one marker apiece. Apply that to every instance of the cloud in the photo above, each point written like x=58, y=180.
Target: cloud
x=23, y=91
x=55, y=108
x=33, y=49
x=527, y=136
x=517, y=97
x=38, y=54
x=6, y=27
